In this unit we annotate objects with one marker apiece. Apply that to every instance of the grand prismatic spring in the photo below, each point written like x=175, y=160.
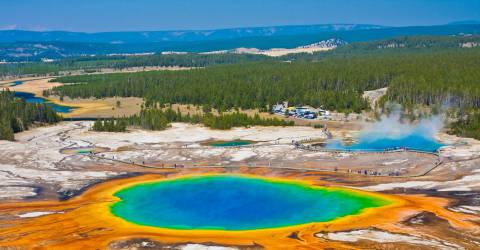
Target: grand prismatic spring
x=226, y=202
x=241, y=210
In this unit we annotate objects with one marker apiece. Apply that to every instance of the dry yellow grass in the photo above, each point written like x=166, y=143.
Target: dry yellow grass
x=36, y=86
x=91, y=108
x=104, y=108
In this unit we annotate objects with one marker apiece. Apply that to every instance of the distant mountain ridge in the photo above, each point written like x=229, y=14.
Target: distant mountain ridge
x=70, y=44
x=402, y=45
x=11, y=36
x=465, y=22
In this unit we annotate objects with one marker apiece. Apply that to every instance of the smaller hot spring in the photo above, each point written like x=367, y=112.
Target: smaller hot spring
x=83, y=150
x=235, y=143
x=391, y=134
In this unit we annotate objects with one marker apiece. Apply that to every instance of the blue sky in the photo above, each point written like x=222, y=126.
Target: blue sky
x=123, y=15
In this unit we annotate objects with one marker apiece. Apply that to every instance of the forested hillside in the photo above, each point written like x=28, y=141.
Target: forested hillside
x=468, y=126
x=16, y=115
x=159, y=119
x=417, y=42
x=90, y=63
x=26, y=46
x=121, y=62
x=429, y=77
x=257, y=85
x=447, y=79
x=403, y=44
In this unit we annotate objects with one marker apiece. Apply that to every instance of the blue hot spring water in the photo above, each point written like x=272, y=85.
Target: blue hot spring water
x=379, y=141
x=229, y=202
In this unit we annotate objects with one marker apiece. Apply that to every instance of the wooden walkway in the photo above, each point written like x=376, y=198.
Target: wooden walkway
x=97, y=156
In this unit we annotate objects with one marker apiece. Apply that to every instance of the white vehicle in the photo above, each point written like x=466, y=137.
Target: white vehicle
x=324, y=114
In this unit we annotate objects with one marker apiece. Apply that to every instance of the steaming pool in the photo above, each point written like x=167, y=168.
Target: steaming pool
x=390, y=133
x=229, y=202
x=372, y=143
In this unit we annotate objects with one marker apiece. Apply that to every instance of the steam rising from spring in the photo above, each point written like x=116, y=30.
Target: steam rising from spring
x=391, y=133
x=391, y=126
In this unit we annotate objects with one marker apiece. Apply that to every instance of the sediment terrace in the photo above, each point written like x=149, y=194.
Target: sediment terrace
x=72, y=225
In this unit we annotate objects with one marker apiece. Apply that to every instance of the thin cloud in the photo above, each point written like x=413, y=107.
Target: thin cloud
x=18, y=27
x=9, y=27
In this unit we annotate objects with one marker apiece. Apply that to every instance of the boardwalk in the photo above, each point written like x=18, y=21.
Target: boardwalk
x=365, y=173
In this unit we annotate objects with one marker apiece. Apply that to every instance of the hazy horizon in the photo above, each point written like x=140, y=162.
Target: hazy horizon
x=239, y=27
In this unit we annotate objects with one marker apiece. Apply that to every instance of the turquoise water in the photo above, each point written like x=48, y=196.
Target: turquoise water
x=235, y=203
x=31, y=98
x=377, y=143
x=86, y=150
x=230, y=143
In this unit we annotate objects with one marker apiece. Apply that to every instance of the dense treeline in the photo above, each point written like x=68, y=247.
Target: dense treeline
x=110, y=125
x=154, y=119
x=468, y=126
x=450, y=80
x=15, y=45
x=228, y=121
x=53, y=68
x=434, y=77
x=186, y=60
x=16, y=115
x=158, y=119
x=90, y=64
x=248, y=86
x=392, y=46
x=416, y=43
x=432, y=70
